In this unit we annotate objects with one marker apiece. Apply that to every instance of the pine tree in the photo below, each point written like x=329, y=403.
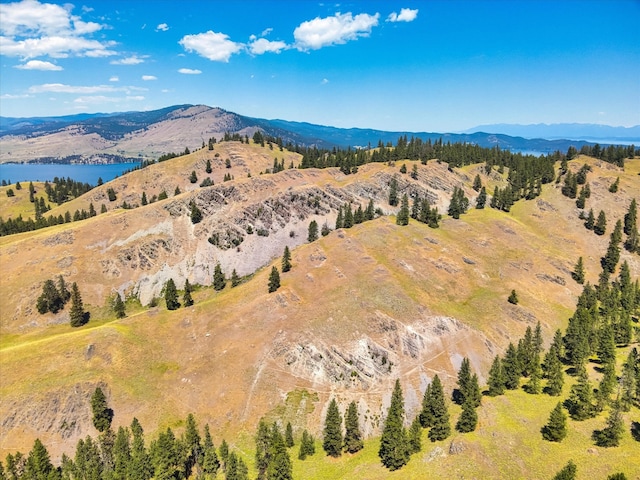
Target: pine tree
x=440, y=429
x=332, y=438
x=121, y=453
x=312, y=235
x=580, y=402
x=50, y=299
x=403, y=214
x=477, y=183
x=393, y=192
x=210, y=462
x=208, y=168
x=394, y=451
x=352, y=437
x=118, y=306
x=77, y=315
x=195, y=213
x=193, y=178
x=614, y=186
x=629, y=380
x=140, y=466
x=426, y=415
x=590, y=221
x=511, y=368
x=65, y=294
x=533, y=386
x=415, y=436
x=496, y=380
x=193, y=449
x=235, y=279
x=481, y=200
x=611, y=435
x=556, y=428
x=307, y=446
x=348, y=216
x=513, y=298
x=600, y=226
x=219, y=282
x=187, y=300
x=263, y=449
x=102, y=414
x=38, y=465
x=274, y=280
x=568, y=472
x=339, y=219
x=288, y=436
x=171, y=295
x=578, y=272
x=554, y=373
x=286, y=260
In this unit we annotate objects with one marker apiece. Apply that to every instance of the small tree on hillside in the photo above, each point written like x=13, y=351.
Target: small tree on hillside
x=441, y=427
x=118, y=306
x=196, y=214
x=235, y=279
x=481, y=200
x=496, y=378
x=77, y=315
x=286, y=260
x=313, y=231
x=468, y=419
x=403, y=214
x=332, y=438
x=600, y=226
x=187, y=299
x=394, y=450
x=274, y=280
x=171, y=295
x=568, y=472
x=102, y=414
x=288, y=436
x=556, y=428
x=513, y=298
x=193, y=178
x=219, y=282
x=578, y=272
x=352, y=438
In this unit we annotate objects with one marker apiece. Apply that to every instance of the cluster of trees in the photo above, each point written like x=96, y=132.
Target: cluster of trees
x=54, y=298
x=65, y=189
x=348, y=217
x=421, y=209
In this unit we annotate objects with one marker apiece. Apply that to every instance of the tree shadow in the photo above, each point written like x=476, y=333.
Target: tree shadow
x=635, y=431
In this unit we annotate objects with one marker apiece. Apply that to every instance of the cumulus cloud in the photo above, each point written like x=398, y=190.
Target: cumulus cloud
x=31, y=29
x=39, y=65
x=339, y=29
x=211, y=45
x=190, y=71
x=146, y=78
x=163, y=27
x=262, y=45
x=405, y=15
x=133, y=60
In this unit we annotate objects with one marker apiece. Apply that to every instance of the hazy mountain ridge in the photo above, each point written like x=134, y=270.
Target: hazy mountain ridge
x=131, y=136
x=572, y=131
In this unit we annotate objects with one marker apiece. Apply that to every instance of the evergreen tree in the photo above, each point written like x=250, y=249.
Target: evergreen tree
x=312, y=235
x=533, y=386
x=513, y=297
x=65, y=294
x=187, y=299
x=556, y=428
x=631, y=218
x=274, y=280
x=196, y=214
x=122, y=453
x=224, y=451
x=193, y=178
x=210, y=463
x=496, y=380
x=459, y=203
x=554, y=373
x=369, y=212
x=118, y=306
x=339, y=219
x=414, y=172
x=481, y=200
x=629, y=380
x=477, y=183
x=426, y=415
x=102, y=414
x=144, y=200
x=38, y=465
x=611, y=435
x=393, y=192
x=580, y=402
x=568, y=472
x=140, y=466
x=208, y=168
x=332, y=438
x=511, y=368
x=578, y=272
x=280, y=467
x=468, y=419
x=193, y=447
x=352, y=437
x=403, y=214
x=307, y=446
x=414, y=437
x=590, y=221
x=288, y=436
x=77, y=315
x=286, y=260
x=219, y=282
x=440, y=429
x=235, y=279
x=614, y=186
x=394, y=451
x=171, y=295
x=50, y=299
x=348, y=216
x=263, y=451
x=600, y=226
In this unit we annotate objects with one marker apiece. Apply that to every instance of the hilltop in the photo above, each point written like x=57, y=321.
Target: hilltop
x=360, y=307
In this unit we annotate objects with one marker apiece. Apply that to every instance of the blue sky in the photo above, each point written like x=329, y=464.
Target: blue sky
x=391, y=65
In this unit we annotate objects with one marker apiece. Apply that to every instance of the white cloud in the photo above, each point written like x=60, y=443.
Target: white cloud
x=146, y=78
x=31, y=29
x=339, y=29
x=211, y=45
x=189, y=71
x=133, y=60
x=262, y=45
x=405, y=15
x=114, y=79
x=8, y=96
x=39, y=65
x=325, y=81
x=162, y=27
x=97, y=99
x=266, y=32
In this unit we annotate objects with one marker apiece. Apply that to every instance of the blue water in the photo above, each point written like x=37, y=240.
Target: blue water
x=24, y=172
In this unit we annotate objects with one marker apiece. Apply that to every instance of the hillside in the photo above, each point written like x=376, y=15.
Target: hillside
x=135, y=136
x=360, y=307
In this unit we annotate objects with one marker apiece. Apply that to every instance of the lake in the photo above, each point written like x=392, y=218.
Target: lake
x=25, y=172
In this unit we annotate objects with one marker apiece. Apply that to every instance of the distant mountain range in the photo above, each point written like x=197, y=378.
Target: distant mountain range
x=571, y=131
x=131, y=136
